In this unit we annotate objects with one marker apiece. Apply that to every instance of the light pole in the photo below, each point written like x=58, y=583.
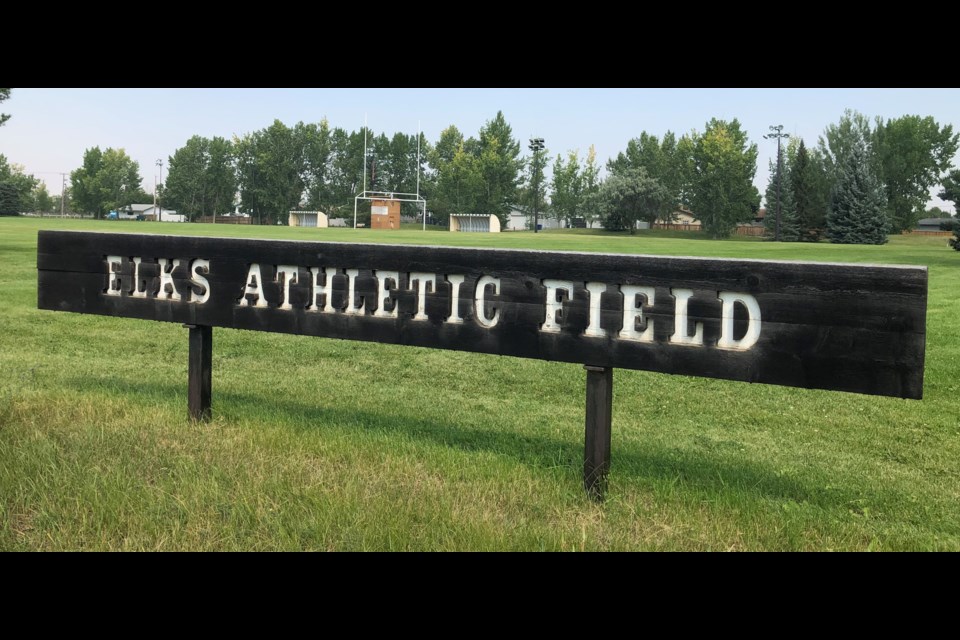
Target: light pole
x=777, y=132
x=156, y=198
x=536, y=145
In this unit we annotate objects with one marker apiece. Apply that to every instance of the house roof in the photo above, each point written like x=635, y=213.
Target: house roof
x=140, y=208
x=932, y=221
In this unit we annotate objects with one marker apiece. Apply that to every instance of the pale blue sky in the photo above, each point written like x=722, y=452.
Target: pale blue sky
x=50, y=128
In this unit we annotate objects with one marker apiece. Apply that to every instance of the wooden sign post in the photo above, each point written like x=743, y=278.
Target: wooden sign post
x=832, y=326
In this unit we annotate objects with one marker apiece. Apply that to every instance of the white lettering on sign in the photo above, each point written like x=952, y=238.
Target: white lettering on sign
x=681, y=323
x=480, y=298
x=325, y=289
x=635, y=298
x=726, y=341
x=422, y=280
x=286, y=275
x=353, y=307
x=167, y=288
x=557, y=292
x=254, y=287
x=594, y=289
x=384, y=278
x=137, y=292
x=113, y=275
x=197, y=279
x=455, y=282
x=635, y=324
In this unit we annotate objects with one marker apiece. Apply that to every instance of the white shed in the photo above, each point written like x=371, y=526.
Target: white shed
x=308, y=219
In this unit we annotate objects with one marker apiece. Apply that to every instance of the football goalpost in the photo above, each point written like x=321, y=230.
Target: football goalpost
x=389, y=195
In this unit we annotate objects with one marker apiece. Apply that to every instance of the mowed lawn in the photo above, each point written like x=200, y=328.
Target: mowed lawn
x=324, y=444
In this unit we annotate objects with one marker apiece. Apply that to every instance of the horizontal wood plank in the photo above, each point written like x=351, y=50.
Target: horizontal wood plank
x=857, y=328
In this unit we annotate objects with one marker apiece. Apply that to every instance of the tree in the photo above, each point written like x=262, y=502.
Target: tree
x=202, y=177
x=808, y=201
x=4, y=95
x=838, y=140
x=42, y=202
x=667, y=161
x=628, y=197
x=781, y=183
x=723, y=167
x=533, y=192
x=911, y=155
x=590, y=184
x=951, y=189
x=858, y=204
x=271, y=167
x=499, y=165
x=107, y=181
x=18, y=186
x=567, y=183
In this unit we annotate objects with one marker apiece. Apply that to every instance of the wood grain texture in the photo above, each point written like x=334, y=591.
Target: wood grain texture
x=856, y=328
x=596, y=441
x=200, y=373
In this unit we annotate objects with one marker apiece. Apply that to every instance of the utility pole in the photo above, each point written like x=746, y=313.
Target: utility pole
x=63, y=193
x=777, y=132
x=536, y=145
x=156, y=198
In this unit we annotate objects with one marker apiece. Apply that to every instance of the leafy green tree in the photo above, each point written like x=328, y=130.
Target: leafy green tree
x=912, y=154
x=566, y=199
x=858, y=204
x=4, y=95
x=108, y=180
x=270, y=167
x=724, y=164
x=668, y=161
x=951, y=188
x=18, y=186
x=789, y=227
x=838, y=140
x=590, y=185
x=184, y=189
x=316, y=143
x=42, y=202
x=630, y=196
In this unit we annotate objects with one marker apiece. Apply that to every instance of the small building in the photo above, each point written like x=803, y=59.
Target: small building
x=520, y=219
x=474, y=222
x=935, y=224
x=313, y=219
x=385, y=214
x=151, y=212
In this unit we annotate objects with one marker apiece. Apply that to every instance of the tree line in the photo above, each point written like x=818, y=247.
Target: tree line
x=862, y=180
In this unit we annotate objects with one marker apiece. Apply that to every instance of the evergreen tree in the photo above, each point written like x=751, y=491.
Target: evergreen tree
x=858, y=203
x=807, y=201
x=789, y=227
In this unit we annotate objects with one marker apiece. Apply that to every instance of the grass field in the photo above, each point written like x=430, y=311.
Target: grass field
x=335, y=445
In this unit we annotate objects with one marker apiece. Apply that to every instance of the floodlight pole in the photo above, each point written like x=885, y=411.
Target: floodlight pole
x=536, y=145
x=779, y=136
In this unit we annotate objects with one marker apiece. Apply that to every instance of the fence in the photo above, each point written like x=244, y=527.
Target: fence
x=917, y=232
x=669, y=226
x=749, y=230
x=226, y=220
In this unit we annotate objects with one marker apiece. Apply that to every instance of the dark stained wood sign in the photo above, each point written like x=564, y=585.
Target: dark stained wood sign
x=817, y=325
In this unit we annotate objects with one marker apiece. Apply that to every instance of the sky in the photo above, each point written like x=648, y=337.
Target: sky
x=50, y=128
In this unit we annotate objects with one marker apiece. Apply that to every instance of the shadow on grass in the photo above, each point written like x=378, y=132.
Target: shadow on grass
x=688, y=467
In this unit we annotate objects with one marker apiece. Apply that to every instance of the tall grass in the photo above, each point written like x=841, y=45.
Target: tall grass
x=336, y=445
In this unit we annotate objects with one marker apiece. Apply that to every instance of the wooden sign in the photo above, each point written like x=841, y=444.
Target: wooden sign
x=818, y=325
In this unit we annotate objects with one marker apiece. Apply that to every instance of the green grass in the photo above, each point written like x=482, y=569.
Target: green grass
x=338, y=445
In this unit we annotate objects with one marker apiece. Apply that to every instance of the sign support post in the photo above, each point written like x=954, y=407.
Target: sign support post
x=596, y=451
x=200, y=370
